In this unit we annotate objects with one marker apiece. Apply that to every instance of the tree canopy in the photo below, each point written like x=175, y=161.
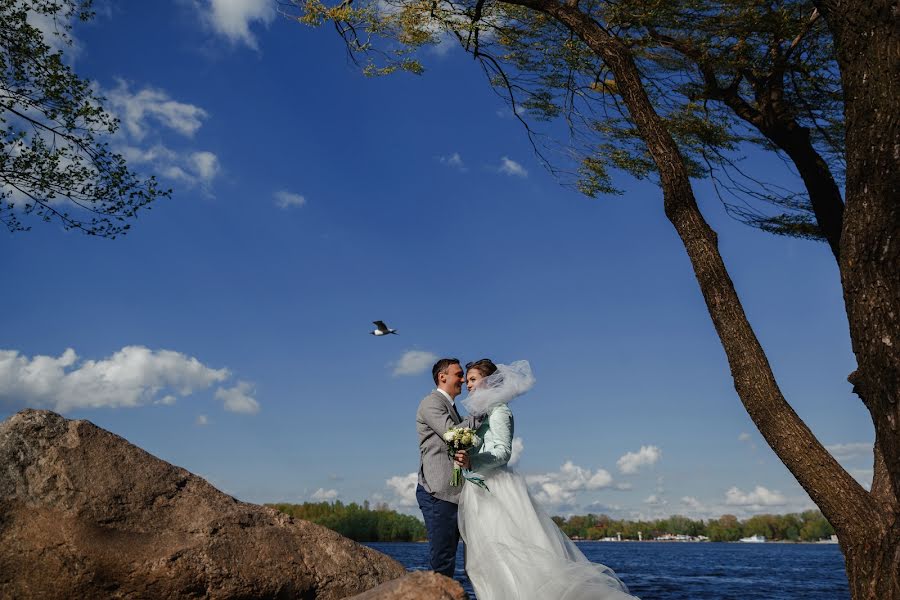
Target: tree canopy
x=55, y=162
x=721, y=73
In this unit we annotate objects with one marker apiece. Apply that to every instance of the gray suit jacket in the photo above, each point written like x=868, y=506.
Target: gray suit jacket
x=433, y=418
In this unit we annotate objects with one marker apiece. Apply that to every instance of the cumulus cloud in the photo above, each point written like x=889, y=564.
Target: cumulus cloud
x=323, y=495
x=759, y=497
x=233, y=18
x=202, y=420
x=205, y=165
x=511, y=167
x=655, y=500
x=239, y=398
x=454, y=160
x=140, y=111
x=517, y=447
x=167, y=400
x=631, y=462
x=133, y=376
x=285, y=199
x=692, y=503
x=851, y=450
x=404, y=489
x=414, y=362
x=561, y=488
x=599, y=507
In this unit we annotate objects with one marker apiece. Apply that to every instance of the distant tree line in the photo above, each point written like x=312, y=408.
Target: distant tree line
x=362, y=523
x=808, y=526
x=359, y=522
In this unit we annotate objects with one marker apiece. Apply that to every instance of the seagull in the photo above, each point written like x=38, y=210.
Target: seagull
x=382, y=329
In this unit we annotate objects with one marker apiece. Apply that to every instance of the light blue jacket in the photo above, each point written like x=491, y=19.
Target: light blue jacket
x=496, y=434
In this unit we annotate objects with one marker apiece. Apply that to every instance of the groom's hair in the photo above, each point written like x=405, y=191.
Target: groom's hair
x=441, y=366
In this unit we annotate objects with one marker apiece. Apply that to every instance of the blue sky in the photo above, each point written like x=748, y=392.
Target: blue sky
x=228, y=332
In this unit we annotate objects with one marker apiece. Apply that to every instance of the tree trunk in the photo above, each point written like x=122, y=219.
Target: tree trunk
x=869, y=531
x=873, y=565
x=868, y=52
x=867, y=43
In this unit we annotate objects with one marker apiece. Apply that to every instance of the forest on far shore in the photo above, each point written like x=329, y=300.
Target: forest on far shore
x=363, y=523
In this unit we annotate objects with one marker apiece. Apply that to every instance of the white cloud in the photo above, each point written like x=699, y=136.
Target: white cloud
x=692, y=503
x=507, y=113
x=863, y=476
x=414, y=362
x=192, y=168
x=205, y=164
x=323, y=495
x=137, y=110
x=53, y=28
x=512, y=168
x=404, y=489
x=560, y=488
x=599, y=507
x=285, y=199
x=748, y=439
x=154, y=154
x=167, y=400
x=232, y=18
x=239, y=398
x=202, y=420
x=759, y=497
x=517, y=447
x=851, y=450
x=453, y=160
x=632, y=461
x=655, y=500
x=623, y=487
x=149, y=113
x=133, y=376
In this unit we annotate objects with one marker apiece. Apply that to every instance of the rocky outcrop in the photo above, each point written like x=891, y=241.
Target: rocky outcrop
x=85, y=514
x=416, y=586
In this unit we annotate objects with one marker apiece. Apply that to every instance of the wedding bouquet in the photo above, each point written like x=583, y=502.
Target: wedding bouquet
x=458, y=438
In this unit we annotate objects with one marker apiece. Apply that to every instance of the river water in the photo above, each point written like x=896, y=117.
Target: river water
x=698, y=571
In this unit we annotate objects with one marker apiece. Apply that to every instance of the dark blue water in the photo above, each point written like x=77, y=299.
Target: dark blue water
x=685, y=571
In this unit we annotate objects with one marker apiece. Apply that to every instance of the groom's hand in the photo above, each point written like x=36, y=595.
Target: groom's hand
x=461, y=458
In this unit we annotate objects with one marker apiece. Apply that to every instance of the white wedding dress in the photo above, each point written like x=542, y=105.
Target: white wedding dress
x=513, y=549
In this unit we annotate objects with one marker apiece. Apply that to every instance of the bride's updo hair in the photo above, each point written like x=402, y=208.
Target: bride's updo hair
x=485, y=366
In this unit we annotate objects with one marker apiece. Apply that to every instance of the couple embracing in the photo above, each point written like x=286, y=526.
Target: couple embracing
x=513, y=549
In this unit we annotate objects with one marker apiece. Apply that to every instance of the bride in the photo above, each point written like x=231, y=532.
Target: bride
x=514, y=551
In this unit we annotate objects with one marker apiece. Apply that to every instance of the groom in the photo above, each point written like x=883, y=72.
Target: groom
x=437, y=498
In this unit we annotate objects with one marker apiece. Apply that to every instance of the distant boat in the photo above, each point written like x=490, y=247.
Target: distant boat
x=753, y=539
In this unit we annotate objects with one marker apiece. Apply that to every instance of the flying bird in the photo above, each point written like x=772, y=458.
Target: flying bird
x=383, y=329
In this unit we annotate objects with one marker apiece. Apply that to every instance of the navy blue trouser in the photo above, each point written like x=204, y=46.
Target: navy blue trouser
x=443, y=531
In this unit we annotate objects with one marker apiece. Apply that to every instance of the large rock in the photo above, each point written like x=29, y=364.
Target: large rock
x=85, y=514
x=416, y=586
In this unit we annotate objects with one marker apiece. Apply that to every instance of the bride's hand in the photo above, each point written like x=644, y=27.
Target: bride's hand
x=461, y=458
